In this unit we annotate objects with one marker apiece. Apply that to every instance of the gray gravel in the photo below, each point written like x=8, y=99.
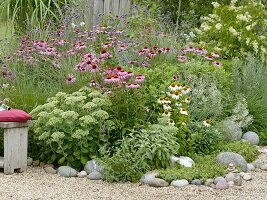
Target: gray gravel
x=35, y=184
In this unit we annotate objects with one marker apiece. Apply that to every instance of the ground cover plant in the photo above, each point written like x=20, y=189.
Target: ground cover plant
x=135, y=90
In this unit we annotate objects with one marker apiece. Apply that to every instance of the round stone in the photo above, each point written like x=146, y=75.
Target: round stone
x=251, y=137
x=238, y=181
x=82, y=174
x=196, y=182
x=95, y=175
x=247, y=177
x=157, y=182
x=264, y=167
x=229, y=177
x=250, y=167
x=67, y=171
x=217, y=179
x=50, y=170
x=179, y=183
x=222, y=185
x=208, y=182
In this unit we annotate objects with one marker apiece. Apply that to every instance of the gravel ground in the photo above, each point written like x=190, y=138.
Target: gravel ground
x=35, y=184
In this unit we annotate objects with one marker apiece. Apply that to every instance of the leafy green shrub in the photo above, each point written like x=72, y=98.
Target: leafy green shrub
x=204, y=168
x=68, y=127
x=142, y=150
x=235, y=30
x=245, y=149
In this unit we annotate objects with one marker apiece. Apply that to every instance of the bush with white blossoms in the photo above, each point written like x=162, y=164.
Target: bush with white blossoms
x=70, y=127
x=235, y=29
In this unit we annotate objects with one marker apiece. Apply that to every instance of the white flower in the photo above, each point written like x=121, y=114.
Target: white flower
x=166, y=113
x=263, y=50
x=175, y=96
x=183, y=111
x=248, y=28
x=161, y=100
x=82, y=24
x=205, y=26
x=173, y=87
x=215, y=4
x=255, y=46
x=207, y=123
x=187, y=100
x=171, y=122
x=218, y=26
x=233, y=31
x=247, y=41
x=192, y=35
x=166, y=107
x=233, y=1
x=262, y=37
x=179, y=104
x=73, y=25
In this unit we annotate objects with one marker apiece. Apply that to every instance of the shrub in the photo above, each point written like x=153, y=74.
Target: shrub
x=235, y=30
x=68, y=127
x=245, y=149
x=142, y=150
x=263, y=137
x=204, y=168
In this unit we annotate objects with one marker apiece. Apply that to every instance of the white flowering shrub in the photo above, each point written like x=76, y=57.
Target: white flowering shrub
x=235, y=30
x=70, y=127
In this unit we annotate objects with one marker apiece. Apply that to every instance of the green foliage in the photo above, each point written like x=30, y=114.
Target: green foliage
x=142, y=150
x=263, y=137
x=195, y=138
x=249, y=77
x=204, y=168
x=68, y=127
x=245, y=149
x=235, y=30
x=36, y=12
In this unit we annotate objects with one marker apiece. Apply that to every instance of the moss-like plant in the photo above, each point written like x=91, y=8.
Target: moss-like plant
x=204, y=168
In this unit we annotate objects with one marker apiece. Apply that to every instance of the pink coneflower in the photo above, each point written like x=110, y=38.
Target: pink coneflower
x=135, y=85
x=91, y=37
x=9, y=58
x=94, y=68
x=122, y=74
x=146, y=49
x=4, y=66
x=5, y=85
x=108, y=92
x=59, y=32
x=123, y=47
x=175, y=77
x=139, y=79
x=120, y=31
x=201, y=50
x=70, y=79
x=145, y=64
x=141, y=52
x=141, y=76
x=209, y=57
x=216, y=63
x=108, y=80
x=215, y=54
x=104, y=53
x=190, y=48
x=132, y=61
x=130, y=74
x=107, y=44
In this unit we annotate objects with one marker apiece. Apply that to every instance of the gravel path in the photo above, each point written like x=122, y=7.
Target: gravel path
x=35, y=184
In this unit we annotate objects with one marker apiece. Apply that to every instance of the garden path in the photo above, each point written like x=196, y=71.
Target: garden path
x=35, y=184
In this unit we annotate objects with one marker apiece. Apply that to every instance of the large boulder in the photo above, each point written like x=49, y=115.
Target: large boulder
x=251, y=137
x=234, y=158
x=92, y=166
x=67, y=171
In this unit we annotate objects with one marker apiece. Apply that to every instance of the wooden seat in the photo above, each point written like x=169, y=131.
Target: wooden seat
x=15, y=146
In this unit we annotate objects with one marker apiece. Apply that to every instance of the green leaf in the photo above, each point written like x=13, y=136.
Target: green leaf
x=52, y=158
x=84, y=159
x=85, y=150
x=61, y=160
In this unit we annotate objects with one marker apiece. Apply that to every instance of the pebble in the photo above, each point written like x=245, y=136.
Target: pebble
x=50, y=170
x=264, y=167
x=263, y=150
x=217, y=179
x=29, y=161
x=82, y=174
x=182, y=160
x=229, y=177
x=238, y=181
x=179, y=183
x=36, y=163
x=42, y=164
x=222, y=185
x=95, y=175
x=213, y=186
x=157, y=182
x=208, y=182
x=247, y=177
x=257, y=164
x=196, y=182
x=231, y=183
x=92, y=166
x=67, y=171
x=149, y=175
x=250, y=167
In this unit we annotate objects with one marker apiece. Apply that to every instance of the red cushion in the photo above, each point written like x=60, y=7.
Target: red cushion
x=14, y=115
